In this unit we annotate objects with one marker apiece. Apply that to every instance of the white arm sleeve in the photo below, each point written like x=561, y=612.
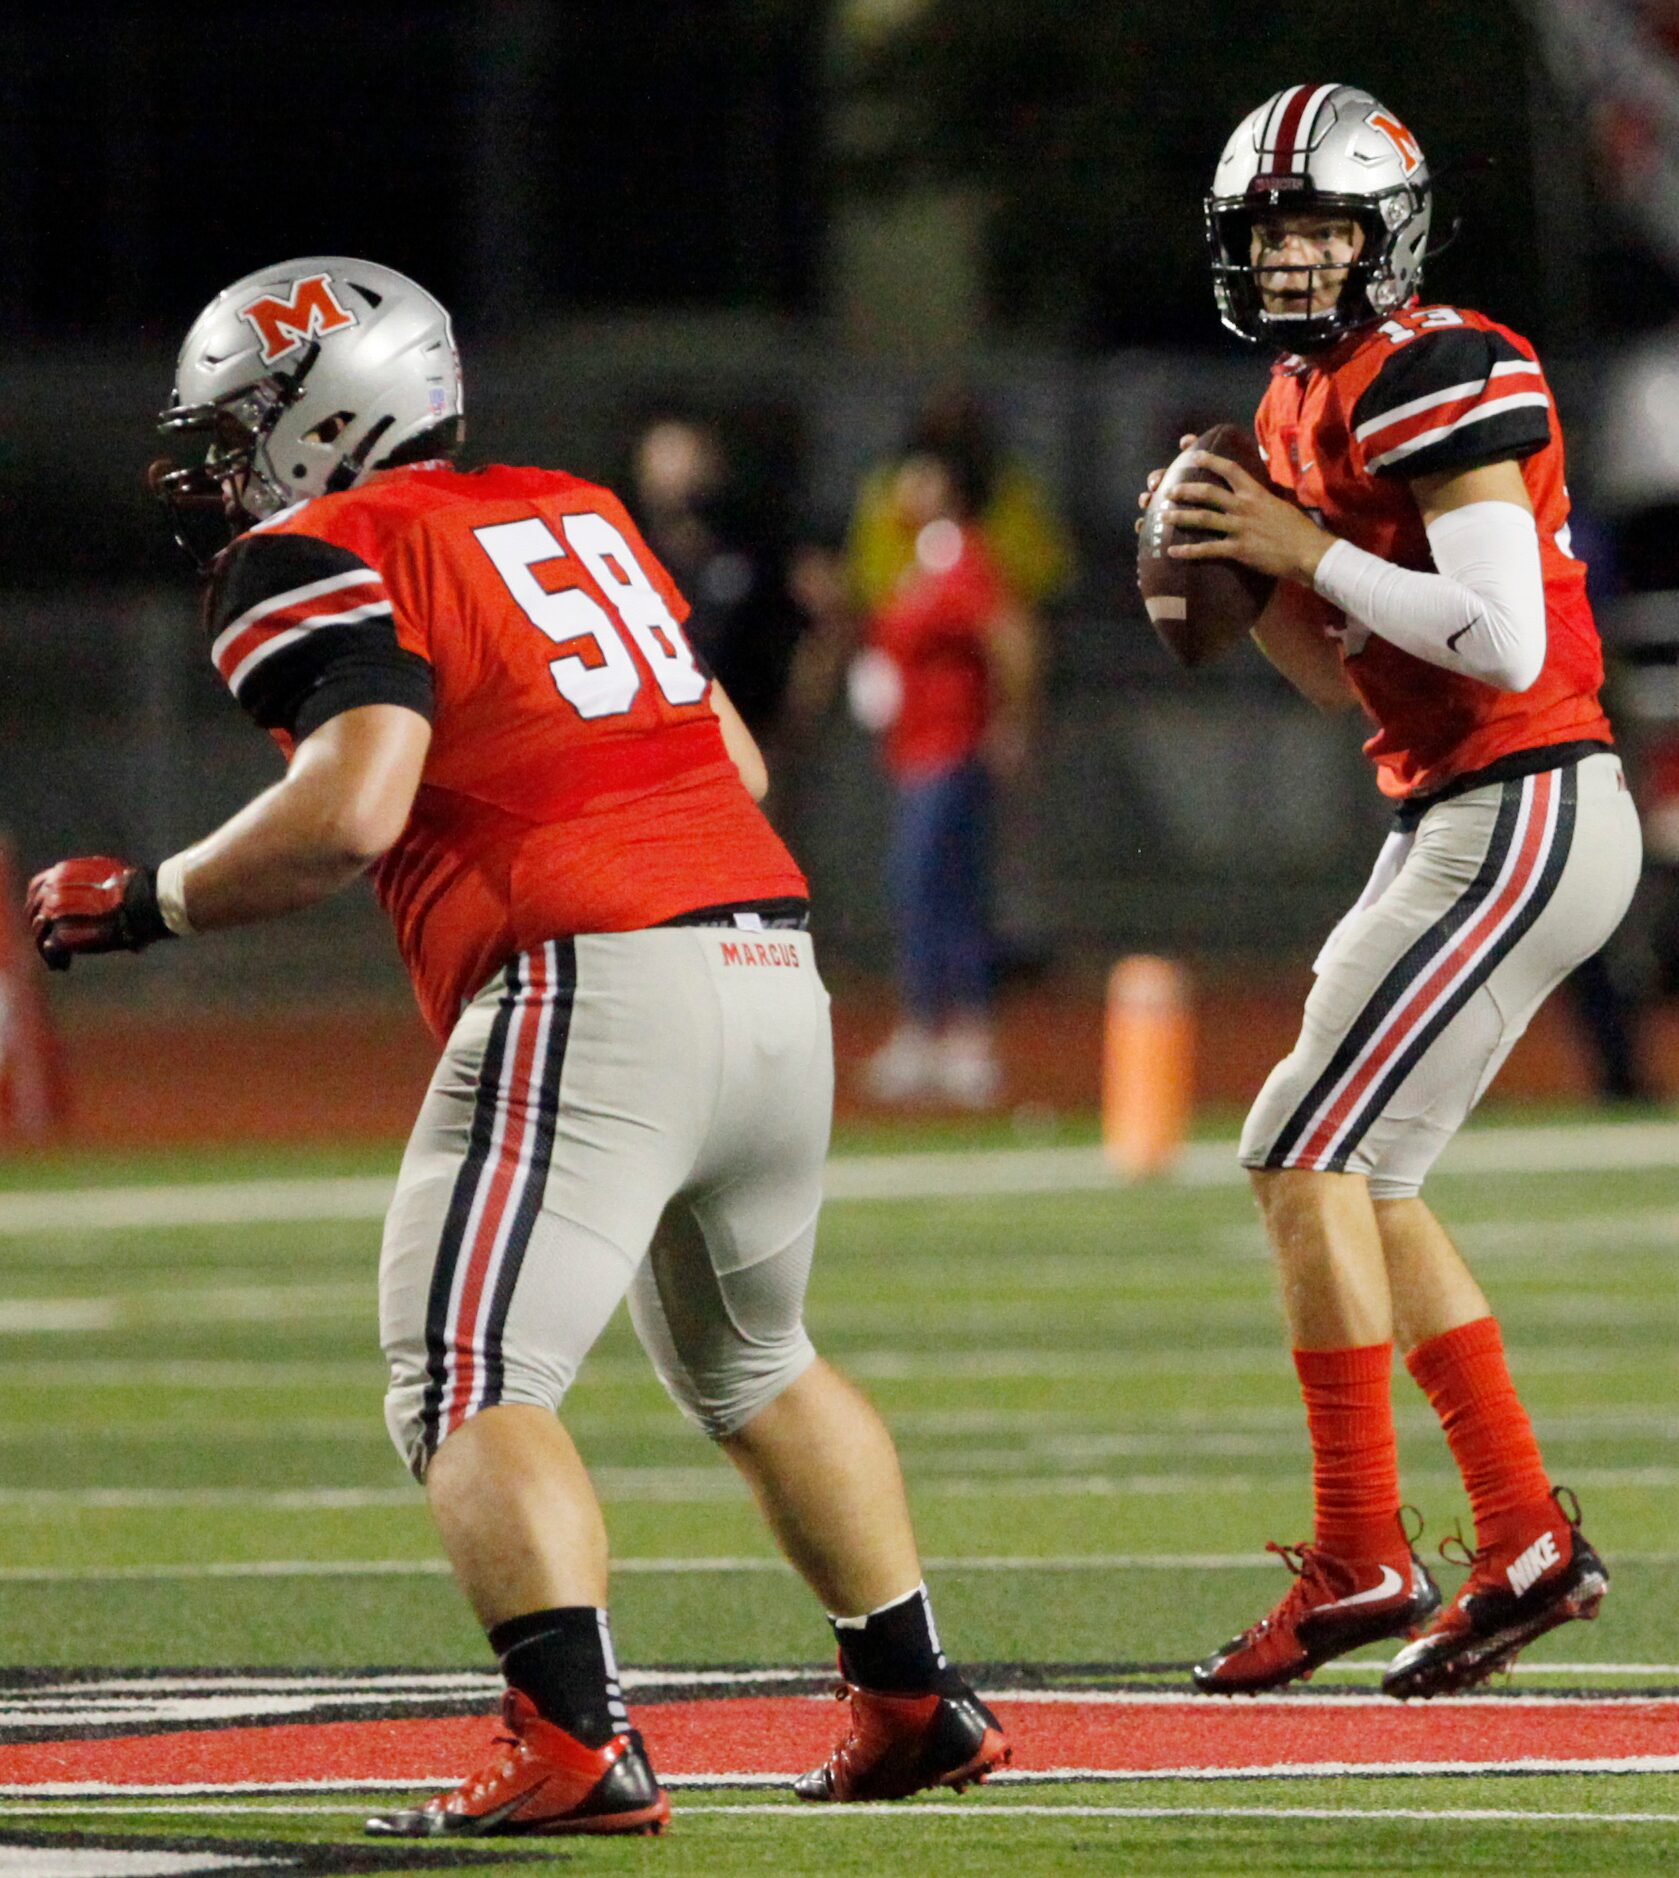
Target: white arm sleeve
x=1482, y=614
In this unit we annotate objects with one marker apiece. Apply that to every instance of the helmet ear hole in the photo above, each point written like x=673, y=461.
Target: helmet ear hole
x=328, y=430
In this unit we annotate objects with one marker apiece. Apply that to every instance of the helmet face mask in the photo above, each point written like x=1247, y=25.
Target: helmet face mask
x=302, y=379
x=1330, y=152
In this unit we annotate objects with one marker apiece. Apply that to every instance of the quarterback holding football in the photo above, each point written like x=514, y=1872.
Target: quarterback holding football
x=1416, y=523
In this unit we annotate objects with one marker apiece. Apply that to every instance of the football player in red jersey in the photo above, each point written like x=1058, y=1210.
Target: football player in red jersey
x=482, y=687
x=1420, y=543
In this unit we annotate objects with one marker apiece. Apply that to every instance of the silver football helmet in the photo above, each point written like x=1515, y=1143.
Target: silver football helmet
x=303, y=378
x=1328, y=148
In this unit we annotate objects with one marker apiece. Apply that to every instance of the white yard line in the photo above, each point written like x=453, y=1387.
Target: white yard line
x=905, y=1810
x=631, y=1567
x=745, y=1564
x=961, y=1477
x=870, y=1363
x=1584, y=1147
x=177, y=1304
x=975, y=1808
x=908, y=1811
x=1250, y=1430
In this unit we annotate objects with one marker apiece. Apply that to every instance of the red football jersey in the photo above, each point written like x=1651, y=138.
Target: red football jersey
x=933, y=627
x=577, y=780
x=1436, y=389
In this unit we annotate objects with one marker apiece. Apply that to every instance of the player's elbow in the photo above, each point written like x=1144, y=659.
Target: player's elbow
x=1515, y=664
x=754, y=773
x=1521, y=673
x=359, y=832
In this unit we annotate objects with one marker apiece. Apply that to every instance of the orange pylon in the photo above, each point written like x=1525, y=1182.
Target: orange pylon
x=1148, y=1064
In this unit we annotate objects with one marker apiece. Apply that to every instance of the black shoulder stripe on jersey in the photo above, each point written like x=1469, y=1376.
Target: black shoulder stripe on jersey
x=262, y=567
x=334, y=669
x=389, y=675
x=1507, y=437
x=1431, y=363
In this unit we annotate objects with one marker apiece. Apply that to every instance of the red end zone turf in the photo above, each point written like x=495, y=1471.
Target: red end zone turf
x=1067, y=1734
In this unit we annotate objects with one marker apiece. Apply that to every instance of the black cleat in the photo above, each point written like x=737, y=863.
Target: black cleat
x=1513, y=1594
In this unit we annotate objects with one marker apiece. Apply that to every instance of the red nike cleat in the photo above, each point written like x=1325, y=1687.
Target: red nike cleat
x=542, y=1780
x=899, y=1744
x=1547, y=1575
x=1333, y=1606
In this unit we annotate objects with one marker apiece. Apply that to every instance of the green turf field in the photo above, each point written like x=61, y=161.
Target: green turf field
x=1091, y=1381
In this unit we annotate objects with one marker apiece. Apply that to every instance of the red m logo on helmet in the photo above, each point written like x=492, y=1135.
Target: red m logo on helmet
x=283, y=325
x=1410, y=151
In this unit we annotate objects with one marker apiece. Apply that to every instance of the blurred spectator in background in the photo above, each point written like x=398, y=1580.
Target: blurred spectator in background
x=1024, y=536
x=949, y=676
x=1636, y=501
x=727, y=558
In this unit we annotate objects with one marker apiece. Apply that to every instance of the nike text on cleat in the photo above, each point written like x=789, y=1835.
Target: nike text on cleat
x=1533, y=1564
x=1512, y=1595
x=542, y=1780
x=1333, y=1606
x=898, y=1744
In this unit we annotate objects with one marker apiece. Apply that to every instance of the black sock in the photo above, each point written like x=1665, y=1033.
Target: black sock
x=562, y=1660
x=895, y=1650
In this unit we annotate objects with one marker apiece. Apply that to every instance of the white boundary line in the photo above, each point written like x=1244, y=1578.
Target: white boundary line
x=46, y=1790
x=1580, y=1147
x=256, y=1703
x=753, y=1564
x=944, y=1809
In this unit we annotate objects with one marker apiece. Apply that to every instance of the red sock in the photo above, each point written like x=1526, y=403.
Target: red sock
x=1355, y=1465
x=1464, y=1374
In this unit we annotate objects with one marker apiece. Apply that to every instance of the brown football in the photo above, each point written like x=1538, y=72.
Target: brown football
x=1199, y=608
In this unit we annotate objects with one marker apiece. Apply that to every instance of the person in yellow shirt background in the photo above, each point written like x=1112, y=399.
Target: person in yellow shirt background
x=1026, y=538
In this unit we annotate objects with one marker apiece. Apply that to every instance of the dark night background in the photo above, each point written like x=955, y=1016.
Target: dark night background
x=530, y=161
x=547, y=166
x=795, y=217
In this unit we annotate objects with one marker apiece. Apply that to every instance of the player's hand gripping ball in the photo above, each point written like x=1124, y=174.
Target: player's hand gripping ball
x=1199, y=608
x=93, y=904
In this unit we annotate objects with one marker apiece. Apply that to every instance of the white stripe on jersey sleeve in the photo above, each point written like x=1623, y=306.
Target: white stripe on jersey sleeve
x=1476, y=414
x=295, y=596
x=269, y=647
x=1402, y=411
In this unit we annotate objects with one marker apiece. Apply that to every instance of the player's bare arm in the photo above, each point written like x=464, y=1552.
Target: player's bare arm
x=740, y=743
x=1446, y=490
x=343, y=802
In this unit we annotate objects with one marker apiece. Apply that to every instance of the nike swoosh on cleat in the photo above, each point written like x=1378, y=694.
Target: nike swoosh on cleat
x=439, y=1825
x=1391, y=1582
x=1453, y=638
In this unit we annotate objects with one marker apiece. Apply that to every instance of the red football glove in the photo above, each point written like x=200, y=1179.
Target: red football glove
x=93, y=904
